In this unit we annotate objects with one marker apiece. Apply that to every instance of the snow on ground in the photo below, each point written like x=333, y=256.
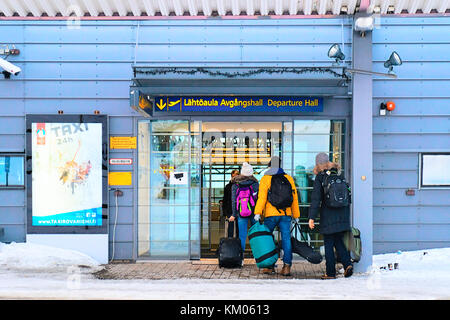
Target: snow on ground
x=29, y=271
x=33, y=257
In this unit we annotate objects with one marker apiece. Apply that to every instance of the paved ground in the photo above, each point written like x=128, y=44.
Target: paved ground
x=204, y=269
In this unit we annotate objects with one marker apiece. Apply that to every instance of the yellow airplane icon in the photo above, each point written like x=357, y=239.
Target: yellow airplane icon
x=161, y=105
x=171, y=104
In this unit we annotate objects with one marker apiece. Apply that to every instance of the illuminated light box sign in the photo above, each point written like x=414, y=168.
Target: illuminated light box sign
x=67, y=188
x=229, y=104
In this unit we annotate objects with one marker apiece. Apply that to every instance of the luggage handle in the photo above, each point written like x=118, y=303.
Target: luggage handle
x=298, y=228
x=234, y=228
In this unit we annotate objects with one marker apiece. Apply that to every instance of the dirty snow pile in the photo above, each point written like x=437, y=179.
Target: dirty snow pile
x=41, y=258
x=30, y=271
x=429, y=263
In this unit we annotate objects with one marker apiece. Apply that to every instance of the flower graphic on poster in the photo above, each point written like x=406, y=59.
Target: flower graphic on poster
x=73, y=173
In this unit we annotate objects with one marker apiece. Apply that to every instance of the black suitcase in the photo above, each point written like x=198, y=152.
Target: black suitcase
x=229, y=252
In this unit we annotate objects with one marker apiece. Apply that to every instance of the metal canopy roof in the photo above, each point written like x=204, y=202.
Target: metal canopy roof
x=318, y=81
x=202, y=8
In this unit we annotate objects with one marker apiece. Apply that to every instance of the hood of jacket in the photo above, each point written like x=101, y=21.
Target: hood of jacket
x=244, y=180
x=274, y=171
x=334, y=169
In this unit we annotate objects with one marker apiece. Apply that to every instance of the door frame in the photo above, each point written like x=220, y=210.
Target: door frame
x=202, y=250
x=244, y=118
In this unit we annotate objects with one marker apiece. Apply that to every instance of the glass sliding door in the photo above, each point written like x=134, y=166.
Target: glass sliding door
x=168, y=214
x=225, y=147
x=302, y=140
x=185, y=165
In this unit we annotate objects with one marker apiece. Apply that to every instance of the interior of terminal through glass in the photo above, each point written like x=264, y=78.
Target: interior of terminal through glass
x=184, y=167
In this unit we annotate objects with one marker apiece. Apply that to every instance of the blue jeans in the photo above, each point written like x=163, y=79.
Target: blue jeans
x=284, y=223
x=335, y=240
x=242, y=227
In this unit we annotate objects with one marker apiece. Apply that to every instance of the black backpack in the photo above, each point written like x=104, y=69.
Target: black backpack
x=280, y=193
x=336, y=190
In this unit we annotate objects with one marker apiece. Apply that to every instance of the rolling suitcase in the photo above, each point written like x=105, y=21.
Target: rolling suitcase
x=352, y=241
x=263, y=245
x=229, y=252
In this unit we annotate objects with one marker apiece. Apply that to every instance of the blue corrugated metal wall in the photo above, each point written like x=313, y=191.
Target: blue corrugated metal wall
x=420, y=123
x=87, y=69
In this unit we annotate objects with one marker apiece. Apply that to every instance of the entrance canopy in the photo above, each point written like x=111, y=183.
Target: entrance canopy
x=150, y=83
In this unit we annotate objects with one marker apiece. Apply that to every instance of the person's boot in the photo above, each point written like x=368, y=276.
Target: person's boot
x=270, y=270
x=348, y=271
x=286, y=270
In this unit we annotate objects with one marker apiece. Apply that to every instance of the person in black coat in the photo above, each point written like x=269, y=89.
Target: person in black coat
x=334, y=222
x=227, y=206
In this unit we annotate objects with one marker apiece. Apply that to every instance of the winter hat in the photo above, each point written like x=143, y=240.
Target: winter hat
x=322, y=158
x=247, y=169
x=275, y=162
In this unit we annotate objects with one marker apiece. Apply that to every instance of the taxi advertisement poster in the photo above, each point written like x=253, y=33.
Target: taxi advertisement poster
x=67, y=174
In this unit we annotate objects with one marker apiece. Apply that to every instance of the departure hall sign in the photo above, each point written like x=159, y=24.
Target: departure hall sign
x=229, y=104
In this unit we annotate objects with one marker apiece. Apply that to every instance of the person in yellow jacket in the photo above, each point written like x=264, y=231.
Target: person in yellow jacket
x=278, y=217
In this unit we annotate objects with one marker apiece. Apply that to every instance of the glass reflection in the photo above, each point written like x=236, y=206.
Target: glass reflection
x=184, y=167
x=168, y=188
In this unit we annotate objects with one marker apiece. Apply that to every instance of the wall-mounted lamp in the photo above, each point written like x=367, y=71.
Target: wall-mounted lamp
x=394, y=60
x=335, y=53
x=364, y=24
x=60, y=112
x=96, y=112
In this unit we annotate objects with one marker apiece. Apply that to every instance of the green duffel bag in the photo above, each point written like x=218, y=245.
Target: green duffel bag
x=263, y=245
x=352, y=241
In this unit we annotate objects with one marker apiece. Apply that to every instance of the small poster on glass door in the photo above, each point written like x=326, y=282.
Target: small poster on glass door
x=178, y=178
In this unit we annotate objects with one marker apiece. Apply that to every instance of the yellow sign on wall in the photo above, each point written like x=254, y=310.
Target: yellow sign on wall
x=122, y=143
x=119, y=179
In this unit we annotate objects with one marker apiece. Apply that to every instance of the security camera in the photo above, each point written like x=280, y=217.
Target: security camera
x=9, y=68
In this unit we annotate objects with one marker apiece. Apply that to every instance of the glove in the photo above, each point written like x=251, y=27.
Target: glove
x=257, y=217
